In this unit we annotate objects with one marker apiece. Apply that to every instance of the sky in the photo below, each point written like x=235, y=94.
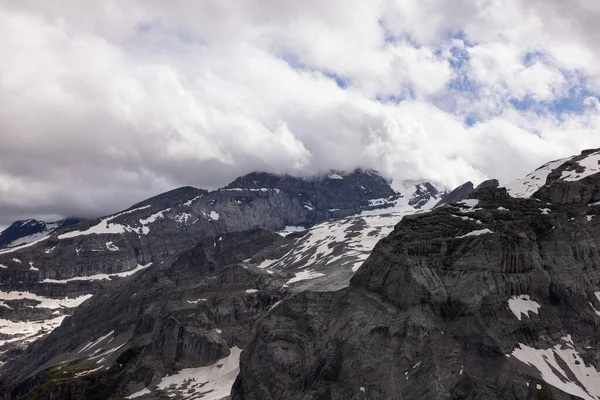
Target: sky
x=105, y=103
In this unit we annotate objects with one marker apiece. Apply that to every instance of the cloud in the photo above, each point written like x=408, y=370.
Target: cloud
x=107, y=103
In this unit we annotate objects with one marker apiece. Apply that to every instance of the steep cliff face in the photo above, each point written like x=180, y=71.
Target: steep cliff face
x=494, y=297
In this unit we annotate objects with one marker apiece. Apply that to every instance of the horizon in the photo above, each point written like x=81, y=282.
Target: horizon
x=107, y=103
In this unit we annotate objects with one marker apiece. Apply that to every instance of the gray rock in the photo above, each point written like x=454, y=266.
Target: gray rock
x=460, y=193
x=490, y=183
x=188, y=311
x=558, y=190
x=428, y=317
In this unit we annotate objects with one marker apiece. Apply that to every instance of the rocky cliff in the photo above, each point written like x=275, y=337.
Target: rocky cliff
x=493, y=297
x=490, y=297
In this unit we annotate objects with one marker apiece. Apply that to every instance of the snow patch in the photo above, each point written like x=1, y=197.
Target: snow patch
x=304, y=275
x=591, y=165
x=570, y=375
x=17, y=248
x=214, y=215
x=99, y=277
x=476, y=233
x=522, y=305
x=44, y=302
x=138, y=394
x=527, y=186
x=214, y=381
x=335, y=176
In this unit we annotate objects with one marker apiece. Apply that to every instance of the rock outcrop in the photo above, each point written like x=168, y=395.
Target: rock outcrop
x=460, y=193
x=493, y=297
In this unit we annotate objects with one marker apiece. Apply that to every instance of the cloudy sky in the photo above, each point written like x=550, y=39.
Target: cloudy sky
x=104, y=103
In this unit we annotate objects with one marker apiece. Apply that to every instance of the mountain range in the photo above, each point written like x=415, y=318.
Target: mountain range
x=335, y=287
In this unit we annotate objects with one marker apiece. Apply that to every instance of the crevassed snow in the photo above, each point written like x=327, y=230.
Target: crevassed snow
x=99, y=277
x=522, y=305
x=571, y=374
x=476, y=233
x=527, y=186
x=214, y=381
x=591, y=165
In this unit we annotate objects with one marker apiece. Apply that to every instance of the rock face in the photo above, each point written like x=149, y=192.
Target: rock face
x=425, y=192
x=23, y=232
x=490, y=183
x=493, y=297
x=190, y=311
x=460, y=193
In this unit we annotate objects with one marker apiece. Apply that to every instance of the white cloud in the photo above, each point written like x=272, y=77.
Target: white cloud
x=109, y=102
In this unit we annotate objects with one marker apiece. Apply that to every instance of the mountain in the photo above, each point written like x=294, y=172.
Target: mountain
x=23, y=232
x=167, y=292
x=493, y=297
x=489, y=297
x=43, y=281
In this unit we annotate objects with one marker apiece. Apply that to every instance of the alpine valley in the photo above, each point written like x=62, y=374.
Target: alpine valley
x=325, y=288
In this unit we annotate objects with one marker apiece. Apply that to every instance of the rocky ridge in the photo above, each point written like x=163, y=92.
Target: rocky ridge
x=27, y=231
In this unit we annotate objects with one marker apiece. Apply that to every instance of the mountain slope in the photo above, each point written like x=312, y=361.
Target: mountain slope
x=323, y=257
x=44, y=280
x=494, y=297
x=23, y=232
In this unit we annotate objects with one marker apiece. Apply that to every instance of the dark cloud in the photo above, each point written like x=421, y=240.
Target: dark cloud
x=107, y=103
